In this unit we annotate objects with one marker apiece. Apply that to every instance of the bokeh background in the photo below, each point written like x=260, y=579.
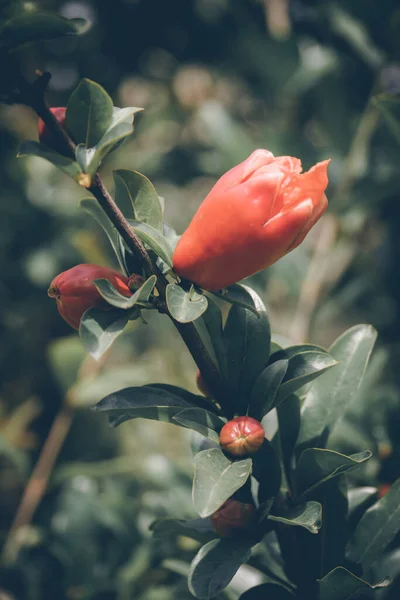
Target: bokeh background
x=217, y=79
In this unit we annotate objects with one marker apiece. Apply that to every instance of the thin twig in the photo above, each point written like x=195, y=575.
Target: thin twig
x=38, y=481
x=32, y=94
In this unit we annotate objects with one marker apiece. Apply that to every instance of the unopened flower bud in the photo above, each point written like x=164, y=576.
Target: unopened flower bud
x=242, y=436
x=75, y=291
x=233, y=518
x=45, y=135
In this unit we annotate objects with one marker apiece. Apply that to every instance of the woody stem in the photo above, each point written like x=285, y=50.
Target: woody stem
x=33, y=95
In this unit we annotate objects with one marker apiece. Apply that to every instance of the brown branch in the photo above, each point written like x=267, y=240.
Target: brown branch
x=38, y=481
x=32, y=94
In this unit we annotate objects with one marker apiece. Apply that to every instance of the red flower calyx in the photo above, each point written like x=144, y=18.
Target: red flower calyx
x=255, y=214
x=75, y=291
x=242, y=436
x=233, y=518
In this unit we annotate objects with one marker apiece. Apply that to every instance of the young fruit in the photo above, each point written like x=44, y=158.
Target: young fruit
x=233, y=518
x=45, y=136
x=242, y=436
x=75, y=291
x=256, y=213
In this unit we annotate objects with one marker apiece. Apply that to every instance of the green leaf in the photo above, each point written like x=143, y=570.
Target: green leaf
x=153, y=239
x=121, y=126
x=340, y=584
x=99, y=328
x=331, y=394
x=264, y=391
x=289, y=424
x=291, y=351
x=317, y=465
x=376, y=529
x=113, y=297
x=196, y=529
x=89, y=113
x=215, y=564
x=35, y=27
x=360, y=499
x=136, y=190
x=68, y=166
x=185, y=306
x=247, y=339
x=157, y=403
x=268, y=591
x=91, y=206
x=215, y=479
x=234, y=295
x=267, y=471
x=389, y=106
x=203, y=421
x=302, y=369
x=308, y=515
x=84, y=157
x=212, y=319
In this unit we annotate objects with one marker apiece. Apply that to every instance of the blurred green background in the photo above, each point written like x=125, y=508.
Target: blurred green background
x=217, y=79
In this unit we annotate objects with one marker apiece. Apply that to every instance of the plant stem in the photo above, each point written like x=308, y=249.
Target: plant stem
x=32, y=94
x=38, y=481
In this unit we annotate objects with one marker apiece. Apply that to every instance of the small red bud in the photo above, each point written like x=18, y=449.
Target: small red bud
x=202, y=386
x=45, y=136
x=242, y=436
x=75, y=291
x=233, y=518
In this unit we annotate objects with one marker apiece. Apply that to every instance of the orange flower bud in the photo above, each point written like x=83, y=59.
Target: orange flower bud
x=256, y=213
x=233, y=518
x=45, y=136
x=202, y=386
x=75, y=292
x=242, y=436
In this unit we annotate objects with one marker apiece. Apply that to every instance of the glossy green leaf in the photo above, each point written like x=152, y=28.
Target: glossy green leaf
x=265, y=389
x=216, y=478
x=147, y=402
x=291, y=351
x=267, y=471
x=214, y=566
x=99, y=328
x=268, y=591
x=185, y=306
x=121, y=126
x=68, y=166
x=376, y=529
x=360, y=499
x=234, y=295
x=35, y=27
x=135, y=189
x=170, y=235
x=316, y=466
x=308, y=515
x=91, y=206
x=247, y=339
x=113, y=297
x=89, y=113
x=341, y=584
x=196, y=529
x=84, y=157
x=331, y=394
x=212, y=319
x=203, y=421
x=289, y=424
x=302, y=369
x=153, y=239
